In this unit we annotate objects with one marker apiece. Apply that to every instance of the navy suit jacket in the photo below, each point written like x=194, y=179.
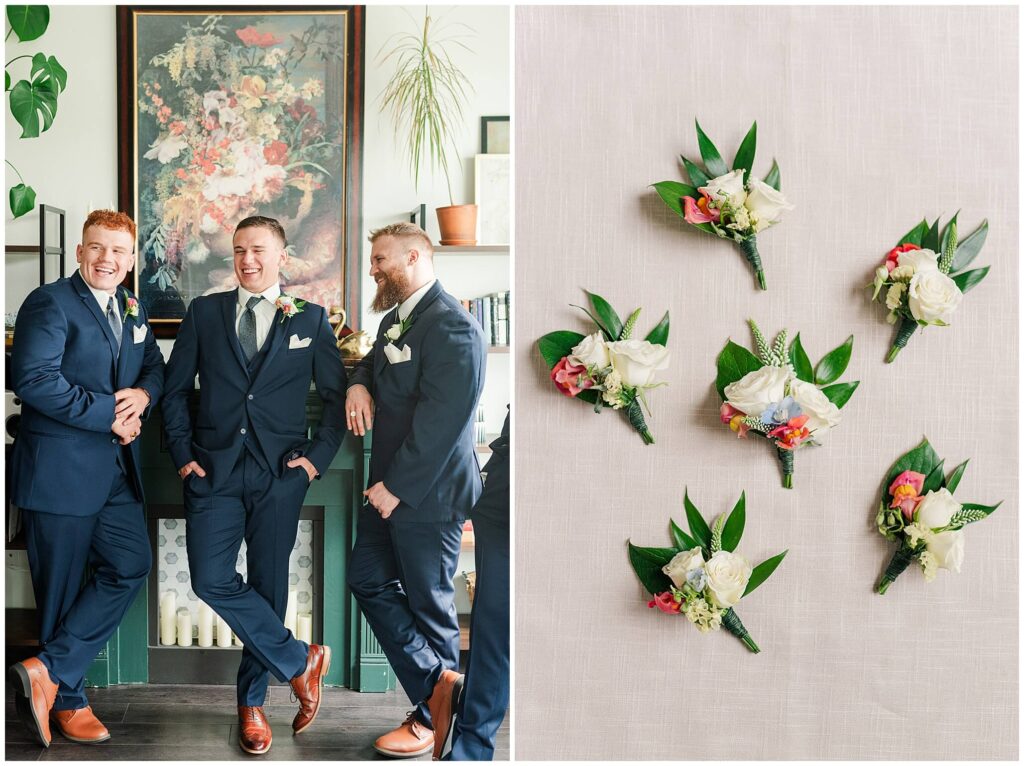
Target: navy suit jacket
x=425, y=408
x=272, y=403
x=65, y=371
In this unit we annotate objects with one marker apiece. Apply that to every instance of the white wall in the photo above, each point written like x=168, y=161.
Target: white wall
x=74, y=164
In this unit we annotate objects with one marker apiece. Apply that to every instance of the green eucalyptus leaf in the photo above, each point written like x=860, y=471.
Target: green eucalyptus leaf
x=933, y=480
x=800, y=361
x=774, y=178
x=659, y=335
x=590, y=396
x=555, y=345
x=930, y=241
x=699, y=529
x=48, y=69
x=914, y=236
x=733, y=363
x=922, y=459
x=609, y=318
x=968, y=279
x=34, y=106
x=709, y=153
x=647, y=563
x=834, y=363
x=954, y=478
x=697, y=176
x=22, y=199
x=745, y=154
x=762, y=572
x=682, y=540
x=839, y=393
x=29, y=22
x=733, y=530
x=672, y=193
x=969, y=247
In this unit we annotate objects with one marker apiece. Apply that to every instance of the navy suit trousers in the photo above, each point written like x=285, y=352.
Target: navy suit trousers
x=251, y=505
x=401, y=575
x=76, y=621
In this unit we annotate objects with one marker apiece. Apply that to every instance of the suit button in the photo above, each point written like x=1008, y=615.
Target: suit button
x=113, y=441
x=242, y=432
x=250, y=396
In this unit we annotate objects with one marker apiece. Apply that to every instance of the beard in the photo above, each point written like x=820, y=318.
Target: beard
x=391, y=290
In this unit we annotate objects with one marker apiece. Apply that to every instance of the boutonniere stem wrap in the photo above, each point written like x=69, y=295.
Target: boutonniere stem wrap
x=778, y=395
x=702, y=576
x=131, y=307
x=924, y=278
x=288, y=306
x=609, y=367
x=728, y=203
x=919, y=514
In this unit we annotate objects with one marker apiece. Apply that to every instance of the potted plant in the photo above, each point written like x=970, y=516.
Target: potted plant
x=425, y=97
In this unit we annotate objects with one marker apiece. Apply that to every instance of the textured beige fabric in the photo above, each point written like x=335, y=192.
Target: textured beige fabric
x=877, y=116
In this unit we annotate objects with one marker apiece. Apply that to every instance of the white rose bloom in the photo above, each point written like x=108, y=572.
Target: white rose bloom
x=919, y=261
x=727, y=189
x=934, y=512
x=895, y=295
x=590, y=352
x=822, y=414
x=933, y=297
x=936, y=509
x=681, y=564
x=752, y=393
x=728, y=574
x=637, y=361
x=765, y=204
x=948, y=549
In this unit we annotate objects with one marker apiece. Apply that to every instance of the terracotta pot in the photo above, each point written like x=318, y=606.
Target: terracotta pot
x=458, y=224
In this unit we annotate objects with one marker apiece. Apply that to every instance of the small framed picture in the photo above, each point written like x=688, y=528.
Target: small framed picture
x=494, y=138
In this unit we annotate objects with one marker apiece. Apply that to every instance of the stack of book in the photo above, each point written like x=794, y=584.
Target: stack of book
x=492, y=312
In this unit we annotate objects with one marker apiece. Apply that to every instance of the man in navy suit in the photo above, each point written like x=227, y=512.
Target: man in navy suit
x=246, y=461
x=418, y=389
x=87, y=370
x=484, y=700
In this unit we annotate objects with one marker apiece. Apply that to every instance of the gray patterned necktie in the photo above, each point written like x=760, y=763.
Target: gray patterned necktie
x=247, y=328
x=115, y=321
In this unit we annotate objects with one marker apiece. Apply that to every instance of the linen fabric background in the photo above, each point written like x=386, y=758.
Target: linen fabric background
x=877, y=116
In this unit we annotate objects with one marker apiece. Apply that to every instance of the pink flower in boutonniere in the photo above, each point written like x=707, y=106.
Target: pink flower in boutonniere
x=131, y=307
x=288, y=306
x=892, y=259
x=666, y=602
x=570, y=379
x=733, y=418
x=906, y=492
x=699, y=212
x=790, y=435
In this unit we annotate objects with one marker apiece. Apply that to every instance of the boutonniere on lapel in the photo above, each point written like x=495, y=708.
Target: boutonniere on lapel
x=131, y=307
x=288, y=306
x=394, y=354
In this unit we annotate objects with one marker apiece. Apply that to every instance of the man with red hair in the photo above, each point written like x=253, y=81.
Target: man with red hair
x=88, y=371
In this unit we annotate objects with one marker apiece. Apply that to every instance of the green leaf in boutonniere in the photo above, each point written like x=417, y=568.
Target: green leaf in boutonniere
x=288, y=306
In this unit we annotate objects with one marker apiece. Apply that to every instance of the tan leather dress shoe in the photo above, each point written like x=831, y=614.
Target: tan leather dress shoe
x=407, y=741
x=254, y=734
x=308, y=686
x=34, y=694
x=80, y=725
x=442, y=705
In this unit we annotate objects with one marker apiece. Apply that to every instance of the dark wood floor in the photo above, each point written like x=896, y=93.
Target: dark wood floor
x=199, y=723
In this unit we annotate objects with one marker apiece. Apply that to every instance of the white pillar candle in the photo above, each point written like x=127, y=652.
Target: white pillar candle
x=305, y=627
x=223, y=632
x=168, y=608
x=292, y=610
x=184, y=627
x=205, y=624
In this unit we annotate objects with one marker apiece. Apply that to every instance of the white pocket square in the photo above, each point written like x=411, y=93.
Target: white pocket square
x=396, y=355
x=294, y=342
x=139, y=332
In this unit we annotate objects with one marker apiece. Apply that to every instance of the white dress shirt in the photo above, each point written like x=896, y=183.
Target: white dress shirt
x=102, y=297
x=264, y=311
x=406, y=306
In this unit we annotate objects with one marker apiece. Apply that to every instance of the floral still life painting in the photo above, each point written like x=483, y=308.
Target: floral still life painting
x=238, y=114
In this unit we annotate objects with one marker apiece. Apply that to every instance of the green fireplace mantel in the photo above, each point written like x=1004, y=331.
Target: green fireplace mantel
x=359, y=662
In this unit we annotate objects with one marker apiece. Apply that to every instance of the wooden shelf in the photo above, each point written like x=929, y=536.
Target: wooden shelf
x=472, y=249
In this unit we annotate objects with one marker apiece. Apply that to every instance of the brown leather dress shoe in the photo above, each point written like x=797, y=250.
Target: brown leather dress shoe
x=253, y=730
x=309, y=685
x=34, y=694
x=80, y=725
x=407, y=741
x=442, y=705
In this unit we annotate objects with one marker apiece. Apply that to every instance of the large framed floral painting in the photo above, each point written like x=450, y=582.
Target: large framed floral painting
x=237, y=111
